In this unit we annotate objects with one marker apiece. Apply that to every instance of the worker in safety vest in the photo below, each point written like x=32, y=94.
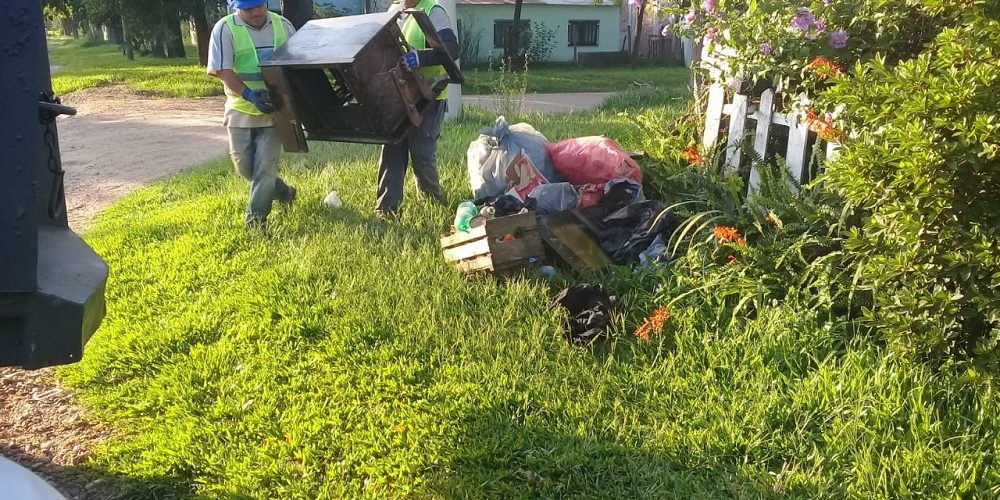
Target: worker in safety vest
x=239, y=42
x=420, y=144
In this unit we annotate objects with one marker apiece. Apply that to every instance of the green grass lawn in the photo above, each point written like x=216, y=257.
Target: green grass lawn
x=83, y=67
x=80, y=66
x=564, y=78
x=344, y=358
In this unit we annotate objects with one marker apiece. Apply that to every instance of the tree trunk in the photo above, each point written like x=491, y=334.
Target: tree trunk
x=638, y=31
x=94, y=33
x=69, y=27
x=174, y=42
x=202, y=31
x=514, y=39
x=297, y=11
x=115, y=33
x=157, y=45
x=127, y=40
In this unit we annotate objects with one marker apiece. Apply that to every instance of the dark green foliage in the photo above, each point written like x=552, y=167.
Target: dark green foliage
x=924, y=170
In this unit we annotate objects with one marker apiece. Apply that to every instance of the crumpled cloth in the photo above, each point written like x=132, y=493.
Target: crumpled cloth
x=588, y=306
x=627, y=232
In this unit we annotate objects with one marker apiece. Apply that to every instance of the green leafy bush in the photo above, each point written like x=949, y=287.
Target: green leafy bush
x=924, y=169
x=539, y=40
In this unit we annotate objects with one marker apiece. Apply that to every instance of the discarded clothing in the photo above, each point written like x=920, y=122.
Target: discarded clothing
x=655, y=254
x=627, y=232
x=503, y=206
x=588, y=306
x=621, y=192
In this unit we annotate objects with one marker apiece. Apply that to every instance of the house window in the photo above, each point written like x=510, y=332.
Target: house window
x=501, y=27
x=583, y=33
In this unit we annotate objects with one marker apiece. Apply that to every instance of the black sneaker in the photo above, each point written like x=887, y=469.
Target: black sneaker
x=292, y=193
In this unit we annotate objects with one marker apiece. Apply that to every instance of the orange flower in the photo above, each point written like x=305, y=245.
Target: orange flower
x=824, y=128
x=643, y=331
x=654, y=322
x=693, y=155
x=825, y=68
x=725, y=234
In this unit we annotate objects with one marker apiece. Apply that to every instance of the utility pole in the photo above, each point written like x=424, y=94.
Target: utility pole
x=454, y=90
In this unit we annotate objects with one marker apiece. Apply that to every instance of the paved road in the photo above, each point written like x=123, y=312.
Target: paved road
x=546, y=103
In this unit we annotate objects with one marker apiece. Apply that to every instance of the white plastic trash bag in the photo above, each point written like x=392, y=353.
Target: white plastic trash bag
x=489, y=155
x=486, y=170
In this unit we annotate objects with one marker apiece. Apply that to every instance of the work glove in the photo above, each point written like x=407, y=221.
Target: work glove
x=259, y=98
x=411, y=60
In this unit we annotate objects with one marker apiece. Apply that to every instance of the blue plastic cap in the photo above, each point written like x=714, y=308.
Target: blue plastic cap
x=245, y=4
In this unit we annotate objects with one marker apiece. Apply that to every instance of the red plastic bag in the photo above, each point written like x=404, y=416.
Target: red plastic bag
x=593, y=160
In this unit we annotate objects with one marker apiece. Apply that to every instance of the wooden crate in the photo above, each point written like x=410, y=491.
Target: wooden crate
x=481, y=249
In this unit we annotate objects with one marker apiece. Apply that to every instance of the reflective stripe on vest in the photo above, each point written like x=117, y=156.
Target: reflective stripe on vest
x=415, y=37
x=246, y=64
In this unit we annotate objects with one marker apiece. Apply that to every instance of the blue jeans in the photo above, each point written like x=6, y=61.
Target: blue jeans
x=420, y=146
x=255, y=153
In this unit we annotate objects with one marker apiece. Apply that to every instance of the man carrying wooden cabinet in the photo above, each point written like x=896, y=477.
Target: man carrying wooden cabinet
x=419, y=147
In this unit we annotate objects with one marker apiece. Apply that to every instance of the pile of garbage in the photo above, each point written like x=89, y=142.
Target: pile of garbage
x=515, y=169
x=588, y=195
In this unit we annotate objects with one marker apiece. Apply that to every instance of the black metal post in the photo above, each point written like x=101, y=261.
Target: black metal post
x=21, y=33
x=51, y=282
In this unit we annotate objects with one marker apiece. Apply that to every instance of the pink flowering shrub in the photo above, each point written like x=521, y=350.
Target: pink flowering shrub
x=775, y=41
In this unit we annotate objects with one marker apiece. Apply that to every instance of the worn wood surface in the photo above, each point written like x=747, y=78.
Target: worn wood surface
x=573, y=242
x=765, y=110
x=713, y=115
x=481, y=249
x=737, y=129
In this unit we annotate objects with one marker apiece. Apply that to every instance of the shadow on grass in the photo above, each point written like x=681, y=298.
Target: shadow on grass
x=512, y=451
x=88, y=481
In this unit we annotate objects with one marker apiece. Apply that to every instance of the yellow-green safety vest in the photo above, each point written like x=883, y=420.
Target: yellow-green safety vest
x=415, y=37
x=246, y=64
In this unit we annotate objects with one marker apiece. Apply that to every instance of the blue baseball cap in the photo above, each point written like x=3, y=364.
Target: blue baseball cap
x=245, y=4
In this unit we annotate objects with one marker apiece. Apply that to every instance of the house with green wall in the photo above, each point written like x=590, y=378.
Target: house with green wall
x=568, y=27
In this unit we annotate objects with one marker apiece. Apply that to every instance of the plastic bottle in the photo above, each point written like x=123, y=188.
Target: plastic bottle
x=466, y=211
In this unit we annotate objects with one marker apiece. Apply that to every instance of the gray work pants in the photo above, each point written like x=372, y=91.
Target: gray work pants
x=255, y=153
x=419, y=146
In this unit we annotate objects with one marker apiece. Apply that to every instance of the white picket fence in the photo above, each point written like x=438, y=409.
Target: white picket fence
x=757, y=114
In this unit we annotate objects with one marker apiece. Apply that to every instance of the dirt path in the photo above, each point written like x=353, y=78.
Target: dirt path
x=119, y=141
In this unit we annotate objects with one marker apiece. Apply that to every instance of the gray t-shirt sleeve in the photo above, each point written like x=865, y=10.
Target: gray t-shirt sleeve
x=289, y=29
x=220, y=48
x=439, y=18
